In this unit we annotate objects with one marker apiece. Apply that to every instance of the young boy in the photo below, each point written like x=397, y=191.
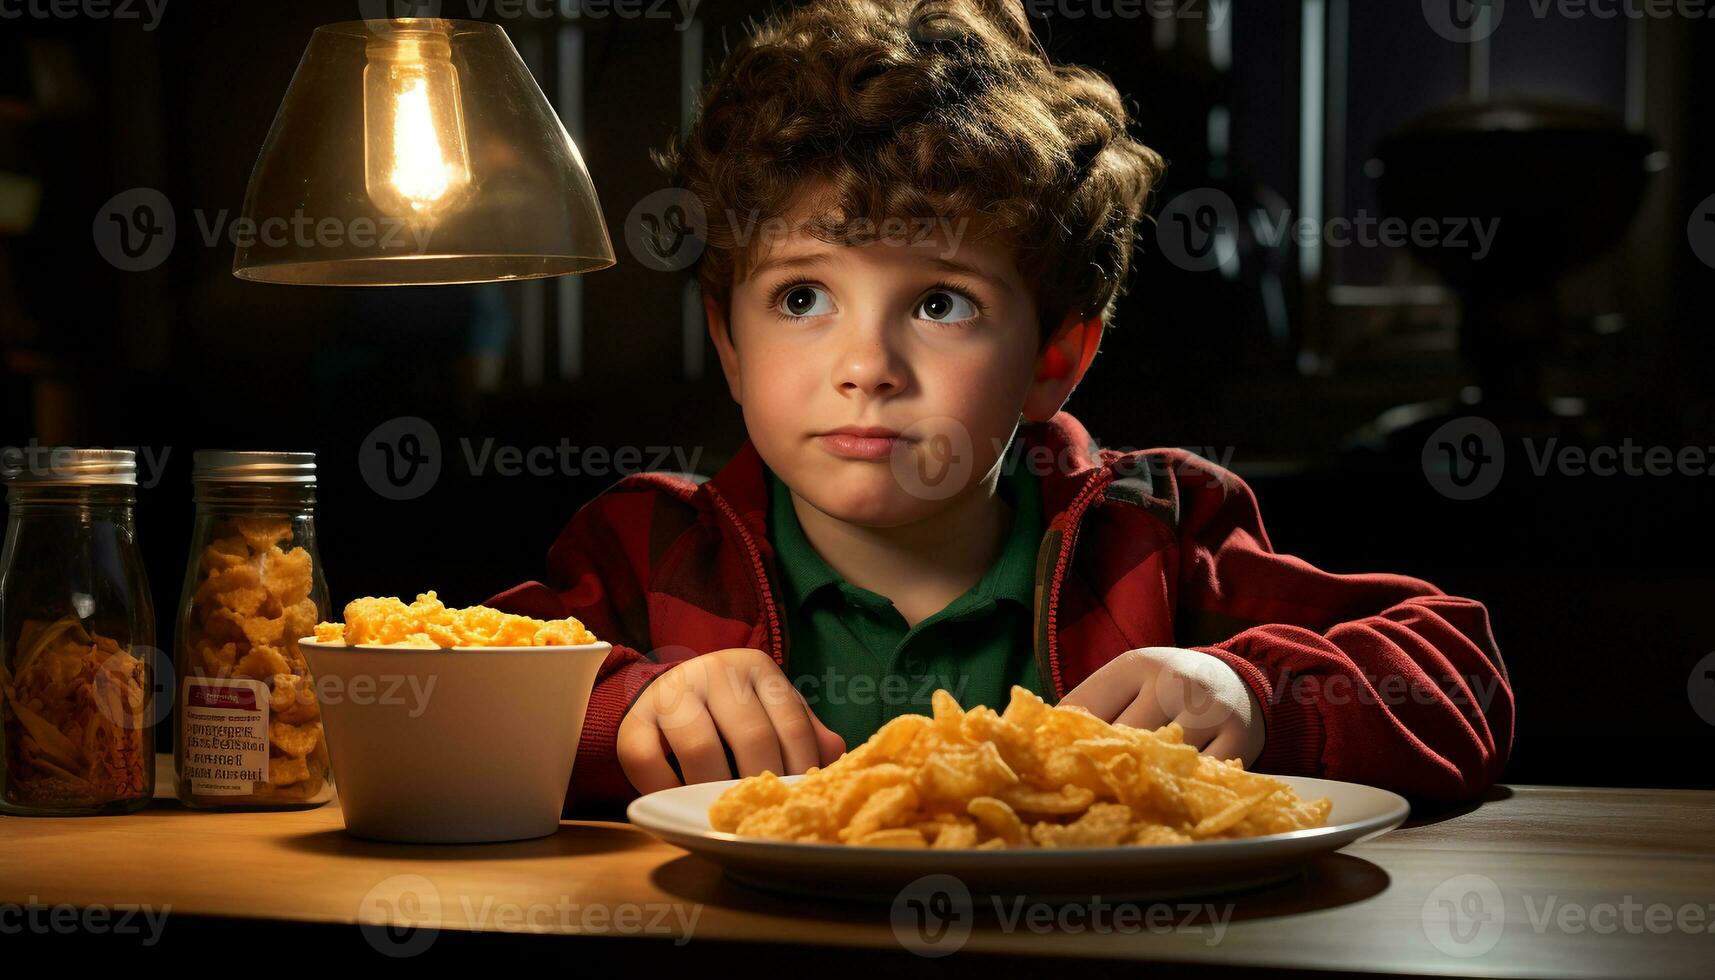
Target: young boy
x=918, y=228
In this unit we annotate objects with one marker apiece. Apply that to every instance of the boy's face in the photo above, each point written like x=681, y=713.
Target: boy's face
x=934, y=346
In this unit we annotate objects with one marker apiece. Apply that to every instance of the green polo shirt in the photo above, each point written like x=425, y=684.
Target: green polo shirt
x=857, y=663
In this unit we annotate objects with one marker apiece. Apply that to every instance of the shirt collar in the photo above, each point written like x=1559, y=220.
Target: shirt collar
x=1011, y=578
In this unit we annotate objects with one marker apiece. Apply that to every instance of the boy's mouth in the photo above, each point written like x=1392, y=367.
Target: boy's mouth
x=861, y=442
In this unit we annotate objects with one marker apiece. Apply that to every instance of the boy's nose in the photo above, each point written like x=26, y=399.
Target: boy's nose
x=869, y=365
x=868, y=382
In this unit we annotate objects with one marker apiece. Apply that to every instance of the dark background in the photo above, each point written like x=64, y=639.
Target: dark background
x=1599, y=586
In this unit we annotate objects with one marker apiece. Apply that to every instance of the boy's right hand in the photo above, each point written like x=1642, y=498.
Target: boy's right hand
x=735, y=698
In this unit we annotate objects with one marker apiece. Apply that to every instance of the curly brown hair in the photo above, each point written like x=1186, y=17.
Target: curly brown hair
x=897, y=109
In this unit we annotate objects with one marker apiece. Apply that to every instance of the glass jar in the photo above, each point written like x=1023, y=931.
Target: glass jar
x=249, y=731
x=77, y=637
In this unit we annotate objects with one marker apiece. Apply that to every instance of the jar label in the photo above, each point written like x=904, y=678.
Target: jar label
x=225, y=732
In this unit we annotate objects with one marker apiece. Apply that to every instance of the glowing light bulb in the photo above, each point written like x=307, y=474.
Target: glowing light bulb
x=416, y=159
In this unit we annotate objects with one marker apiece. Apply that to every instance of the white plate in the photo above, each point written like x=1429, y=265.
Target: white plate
x=680, y=816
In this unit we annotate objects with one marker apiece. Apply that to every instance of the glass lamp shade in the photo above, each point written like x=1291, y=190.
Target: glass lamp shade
x=417, y=152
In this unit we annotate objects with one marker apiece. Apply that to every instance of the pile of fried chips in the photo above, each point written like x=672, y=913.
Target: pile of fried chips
x=1035, y=776
x=429, y=624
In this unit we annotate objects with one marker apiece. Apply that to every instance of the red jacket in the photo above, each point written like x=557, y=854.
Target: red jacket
x=1372, y=678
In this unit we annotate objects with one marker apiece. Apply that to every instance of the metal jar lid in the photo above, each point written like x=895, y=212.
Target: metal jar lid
x=68, y=466
x=230, y=466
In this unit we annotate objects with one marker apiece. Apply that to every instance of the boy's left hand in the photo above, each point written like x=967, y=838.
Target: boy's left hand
x=1151, y=686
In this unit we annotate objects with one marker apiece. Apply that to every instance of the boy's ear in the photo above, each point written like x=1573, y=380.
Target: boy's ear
x=721, y=333
x=1061, y=365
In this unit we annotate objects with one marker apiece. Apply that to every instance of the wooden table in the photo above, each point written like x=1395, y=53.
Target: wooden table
x=1541, y=881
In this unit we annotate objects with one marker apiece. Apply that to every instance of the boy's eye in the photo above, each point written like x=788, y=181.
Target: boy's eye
x=944, y=306
x=804, y=301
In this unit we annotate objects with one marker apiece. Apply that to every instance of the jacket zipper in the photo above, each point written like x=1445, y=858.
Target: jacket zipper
x=1049, y=609
x=776, y=643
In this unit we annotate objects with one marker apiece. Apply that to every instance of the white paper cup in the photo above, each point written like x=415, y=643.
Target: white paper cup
x=462, y=745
